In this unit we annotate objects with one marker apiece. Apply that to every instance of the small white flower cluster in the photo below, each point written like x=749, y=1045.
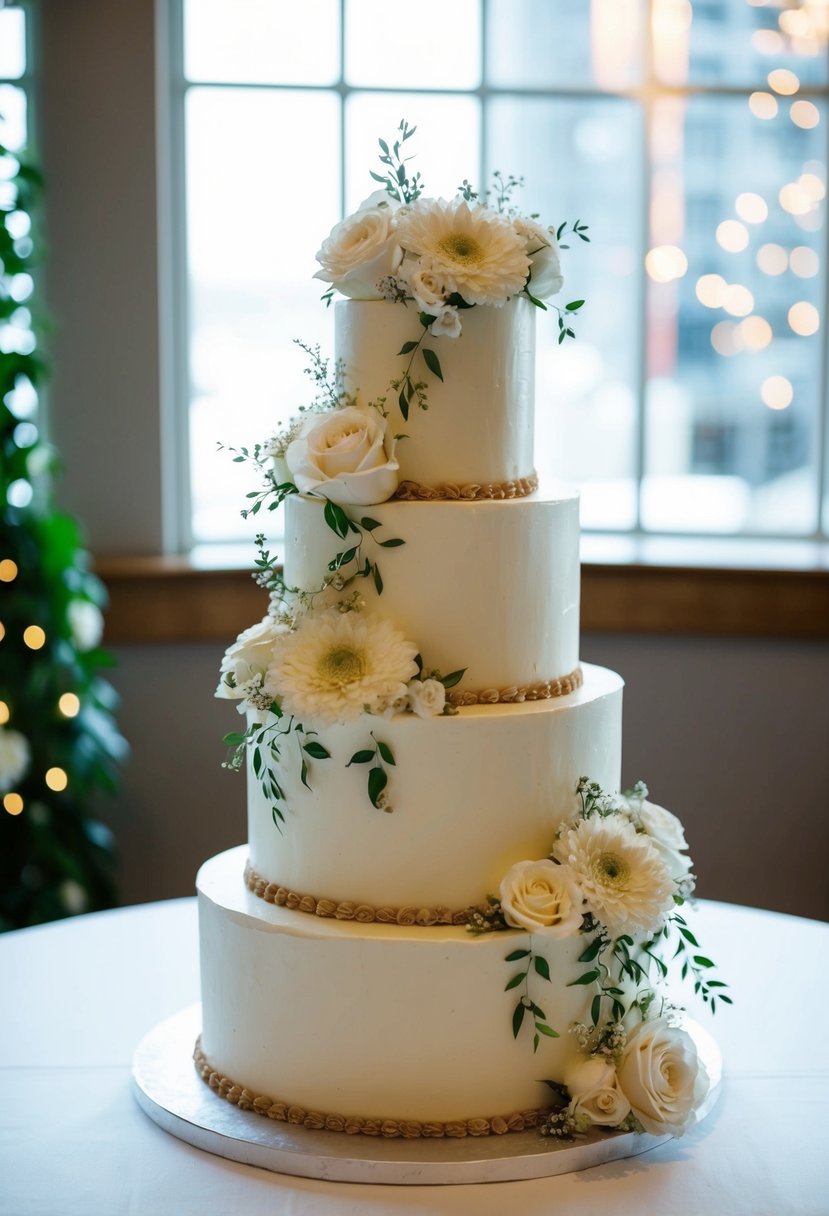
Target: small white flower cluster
x=442, y=255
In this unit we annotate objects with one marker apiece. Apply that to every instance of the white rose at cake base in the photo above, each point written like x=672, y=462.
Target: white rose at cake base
x=448, y=920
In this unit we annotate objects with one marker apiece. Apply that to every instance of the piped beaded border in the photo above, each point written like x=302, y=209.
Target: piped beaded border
x=521, y=487
x=516, y=694
x=352, y=1125
x=332, y=909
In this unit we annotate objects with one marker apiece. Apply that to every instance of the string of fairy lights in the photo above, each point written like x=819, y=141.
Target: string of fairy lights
x=68, y=705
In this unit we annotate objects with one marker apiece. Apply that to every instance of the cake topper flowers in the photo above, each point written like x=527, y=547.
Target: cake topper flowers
x=443, y=257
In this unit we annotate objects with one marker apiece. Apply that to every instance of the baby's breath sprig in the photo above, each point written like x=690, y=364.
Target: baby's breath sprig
x=396, y=180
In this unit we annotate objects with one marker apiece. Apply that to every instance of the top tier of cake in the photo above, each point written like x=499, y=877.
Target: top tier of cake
x=478, y=427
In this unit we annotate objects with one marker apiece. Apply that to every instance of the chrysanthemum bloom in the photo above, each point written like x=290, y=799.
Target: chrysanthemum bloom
x=624, y=880
x=336, y=665
x=477, y=252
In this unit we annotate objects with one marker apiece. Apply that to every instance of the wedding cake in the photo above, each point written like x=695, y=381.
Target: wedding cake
x=447, y=920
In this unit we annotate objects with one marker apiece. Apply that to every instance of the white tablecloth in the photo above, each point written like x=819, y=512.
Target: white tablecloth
x=78, y=996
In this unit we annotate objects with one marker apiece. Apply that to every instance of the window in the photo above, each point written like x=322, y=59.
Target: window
x=691, y=137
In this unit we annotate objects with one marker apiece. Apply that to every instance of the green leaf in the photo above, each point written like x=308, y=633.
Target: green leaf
x=702, y=961
x=303, y=775
x=316, y=751
x=378, y=582
x=233, y=739
x=336, y=518
x=588, y=978
x=386, y=752
x=516, y=955
x=342, y=559
x=596, y=1009
x=394, y=543
x=591, y=951
x=369, y=524
x=516, y=980
x=403, y=402
x=574, y=305
x=542, y=967
x=432, y=362
x=361, y=757
x=453, y=678
x=257, y=761
x=378, y=779
x=517, y=1019
x=545, y=1028
x=534, y=299
x=407, y=348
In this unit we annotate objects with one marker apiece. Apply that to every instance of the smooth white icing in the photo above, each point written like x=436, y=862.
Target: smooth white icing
x=478, y=427
x=374, y=1020
x=472, y=794
x=489, y=586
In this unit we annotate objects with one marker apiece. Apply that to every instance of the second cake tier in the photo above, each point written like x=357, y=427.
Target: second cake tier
x=470, y=795
x=492, y=587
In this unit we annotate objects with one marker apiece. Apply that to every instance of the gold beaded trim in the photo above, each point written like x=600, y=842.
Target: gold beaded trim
x=346, y=909
x=543, y=690
x=412, y=491
x=352, y=1125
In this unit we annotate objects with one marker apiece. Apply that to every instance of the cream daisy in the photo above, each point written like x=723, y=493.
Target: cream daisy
x=336, y=665
x=625, y=882
x=475, y=251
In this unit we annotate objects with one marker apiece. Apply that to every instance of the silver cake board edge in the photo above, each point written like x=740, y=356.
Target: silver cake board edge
x=170, y=1091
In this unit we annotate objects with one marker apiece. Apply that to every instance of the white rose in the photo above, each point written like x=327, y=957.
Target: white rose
x=14, y=758
x=426, y=697
x=662, y=1077
x=361, y=250
x=594, y=1091
x=428, y=288
x=347, y=457
x=447, y=324
x=542, y=897
x=86, y=623
x=661, y=825
x=248, y=657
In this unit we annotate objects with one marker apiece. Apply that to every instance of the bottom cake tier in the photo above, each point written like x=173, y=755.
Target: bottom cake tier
x=352, y=1022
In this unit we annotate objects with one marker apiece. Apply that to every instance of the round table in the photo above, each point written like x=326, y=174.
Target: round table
x=80, y=994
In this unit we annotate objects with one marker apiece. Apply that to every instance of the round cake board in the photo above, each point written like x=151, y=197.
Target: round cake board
x=172, y=1093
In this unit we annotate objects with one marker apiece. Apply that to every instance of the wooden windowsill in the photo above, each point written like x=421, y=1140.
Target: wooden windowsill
x=183, y=599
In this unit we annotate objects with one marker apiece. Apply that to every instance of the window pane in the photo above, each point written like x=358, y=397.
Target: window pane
x=433, y=45
x=12, y=43
x=263, y=184
x=446, y=146
x=735, y=332
x=735, y=42
x=264, y=43
x=561, y=43
x=12, y=117
x=581, y=160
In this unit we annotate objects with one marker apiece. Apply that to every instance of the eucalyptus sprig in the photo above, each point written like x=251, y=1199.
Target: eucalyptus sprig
x=265, y=740
x=538, y=965
x=378, y=778
x=396, y=180
x=344, y=526
x=407, y=388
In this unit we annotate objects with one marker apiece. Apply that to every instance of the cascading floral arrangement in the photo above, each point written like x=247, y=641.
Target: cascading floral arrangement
x=317, y=658
x=618, y=872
